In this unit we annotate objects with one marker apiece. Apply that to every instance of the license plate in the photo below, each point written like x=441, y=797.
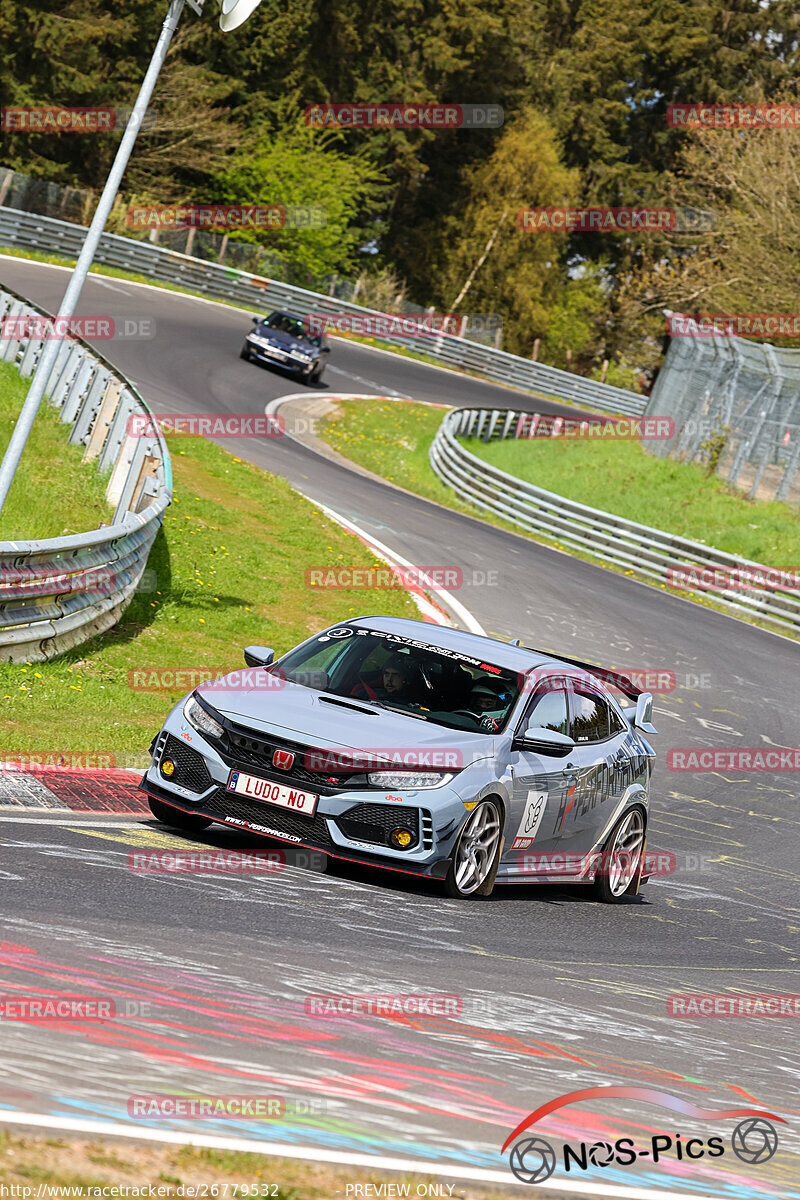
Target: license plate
x=276, y=354
x=272, y=793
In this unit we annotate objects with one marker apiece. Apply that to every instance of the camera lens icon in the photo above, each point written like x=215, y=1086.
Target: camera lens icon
x=754, y=1140
x=533, y=1160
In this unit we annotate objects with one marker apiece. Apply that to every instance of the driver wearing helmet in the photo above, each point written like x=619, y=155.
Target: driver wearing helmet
x=489, y=698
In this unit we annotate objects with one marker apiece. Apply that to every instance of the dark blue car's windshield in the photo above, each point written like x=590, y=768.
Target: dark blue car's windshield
x=441, y=685
x=294, y=327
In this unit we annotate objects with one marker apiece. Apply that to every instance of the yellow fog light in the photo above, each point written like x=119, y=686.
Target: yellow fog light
x=402, y=838
x=167, y=767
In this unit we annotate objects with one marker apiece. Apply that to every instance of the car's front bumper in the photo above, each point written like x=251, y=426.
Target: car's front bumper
x=350, y=823
x=224, y=806
x=264, y=355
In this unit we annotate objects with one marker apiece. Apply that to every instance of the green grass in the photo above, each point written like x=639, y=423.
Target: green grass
x=53, y=493
x=621, y=478
x=393, y=439
x=230, y=568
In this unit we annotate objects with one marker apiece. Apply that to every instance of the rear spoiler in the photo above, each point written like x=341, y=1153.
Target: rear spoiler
x=641, y=715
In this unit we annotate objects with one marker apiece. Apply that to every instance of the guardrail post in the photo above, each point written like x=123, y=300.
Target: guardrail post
x=10, y=345
x=117, y=433
x=131, y=479
x=30, y=357
x=77, y=388
x=90, y=406
x=67, y=355
x=102, y=424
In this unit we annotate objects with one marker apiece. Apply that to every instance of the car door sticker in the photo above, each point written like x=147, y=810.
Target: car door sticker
x=531, y=820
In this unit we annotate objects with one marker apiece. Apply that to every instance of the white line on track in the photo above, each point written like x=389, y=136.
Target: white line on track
x=384, y=552
x=341, y=1157
x=133, y=823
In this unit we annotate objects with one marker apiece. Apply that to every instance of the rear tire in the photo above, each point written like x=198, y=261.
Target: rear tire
x=622, y=858
x=176, y=818
x=476, y=854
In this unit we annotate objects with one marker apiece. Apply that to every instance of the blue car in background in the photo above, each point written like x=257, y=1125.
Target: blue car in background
x=285, y=340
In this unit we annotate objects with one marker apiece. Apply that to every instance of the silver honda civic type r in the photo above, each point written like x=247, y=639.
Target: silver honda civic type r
x=420, y=749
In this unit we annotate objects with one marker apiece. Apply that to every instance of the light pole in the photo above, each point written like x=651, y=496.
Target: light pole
x=233, y=14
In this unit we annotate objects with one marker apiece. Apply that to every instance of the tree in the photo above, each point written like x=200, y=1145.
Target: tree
x=486, y=261
x=295, y=165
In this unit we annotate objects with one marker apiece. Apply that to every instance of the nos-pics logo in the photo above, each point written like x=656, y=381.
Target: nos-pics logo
x=533, y=1159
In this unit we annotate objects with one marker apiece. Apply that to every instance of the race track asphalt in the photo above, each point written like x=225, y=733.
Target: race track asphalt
x=558, y=992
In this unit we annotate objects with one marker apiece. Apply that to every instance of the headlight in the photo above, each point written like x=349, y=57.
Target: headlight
x=407, y=779
x=199, y=719
x=306, y=358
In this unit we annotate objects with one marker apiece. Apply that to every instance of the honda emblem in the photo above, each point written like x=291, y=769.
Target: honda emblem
x=282, y=759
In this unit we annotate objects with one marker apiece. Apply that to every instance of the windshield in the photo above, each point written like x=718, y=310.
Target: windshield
x=404, y=675
x=283, y=323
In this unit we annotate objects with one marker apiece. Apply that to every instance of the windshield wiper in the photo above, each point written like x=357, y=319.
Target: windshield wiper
x=406, y=712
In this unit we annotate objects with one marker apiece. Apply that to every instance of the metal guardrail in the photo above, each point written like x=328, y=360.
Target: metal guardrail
x=650, y=553
x=32, y=232
x=57, y=592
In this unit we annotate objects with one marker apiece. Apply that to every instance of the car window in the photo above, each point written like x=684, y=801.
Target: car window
x=616, y=724
x=591, y=719
x=549, y=711
x=436, y=684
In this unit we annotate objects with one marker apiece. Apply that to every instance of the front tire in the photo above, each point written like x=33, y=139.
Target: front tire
x=476, y=854
x=176, y=818
x=245, y=353
x=621, y=862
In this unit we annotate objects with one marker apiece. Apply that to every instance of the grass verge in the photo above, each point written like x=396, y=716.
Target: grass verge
x=393, y=440
x=621, y=478
x=230, y=567
x=53, y=493
x=41, y=1161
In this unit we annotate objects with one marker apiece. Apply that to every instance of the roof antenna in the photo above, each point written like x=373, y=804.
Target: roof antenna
x=515, y=642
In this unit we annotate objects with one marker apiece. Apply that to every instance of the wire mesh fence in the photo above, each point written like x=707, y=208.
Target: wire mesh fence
x=736, y=406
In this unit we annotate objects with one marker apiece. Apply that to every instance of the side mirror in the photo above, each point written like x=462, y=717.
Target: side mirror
x=644, y=713
x=256, y=320
x=546, y=741
x=258, y=656
x=326, y=349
